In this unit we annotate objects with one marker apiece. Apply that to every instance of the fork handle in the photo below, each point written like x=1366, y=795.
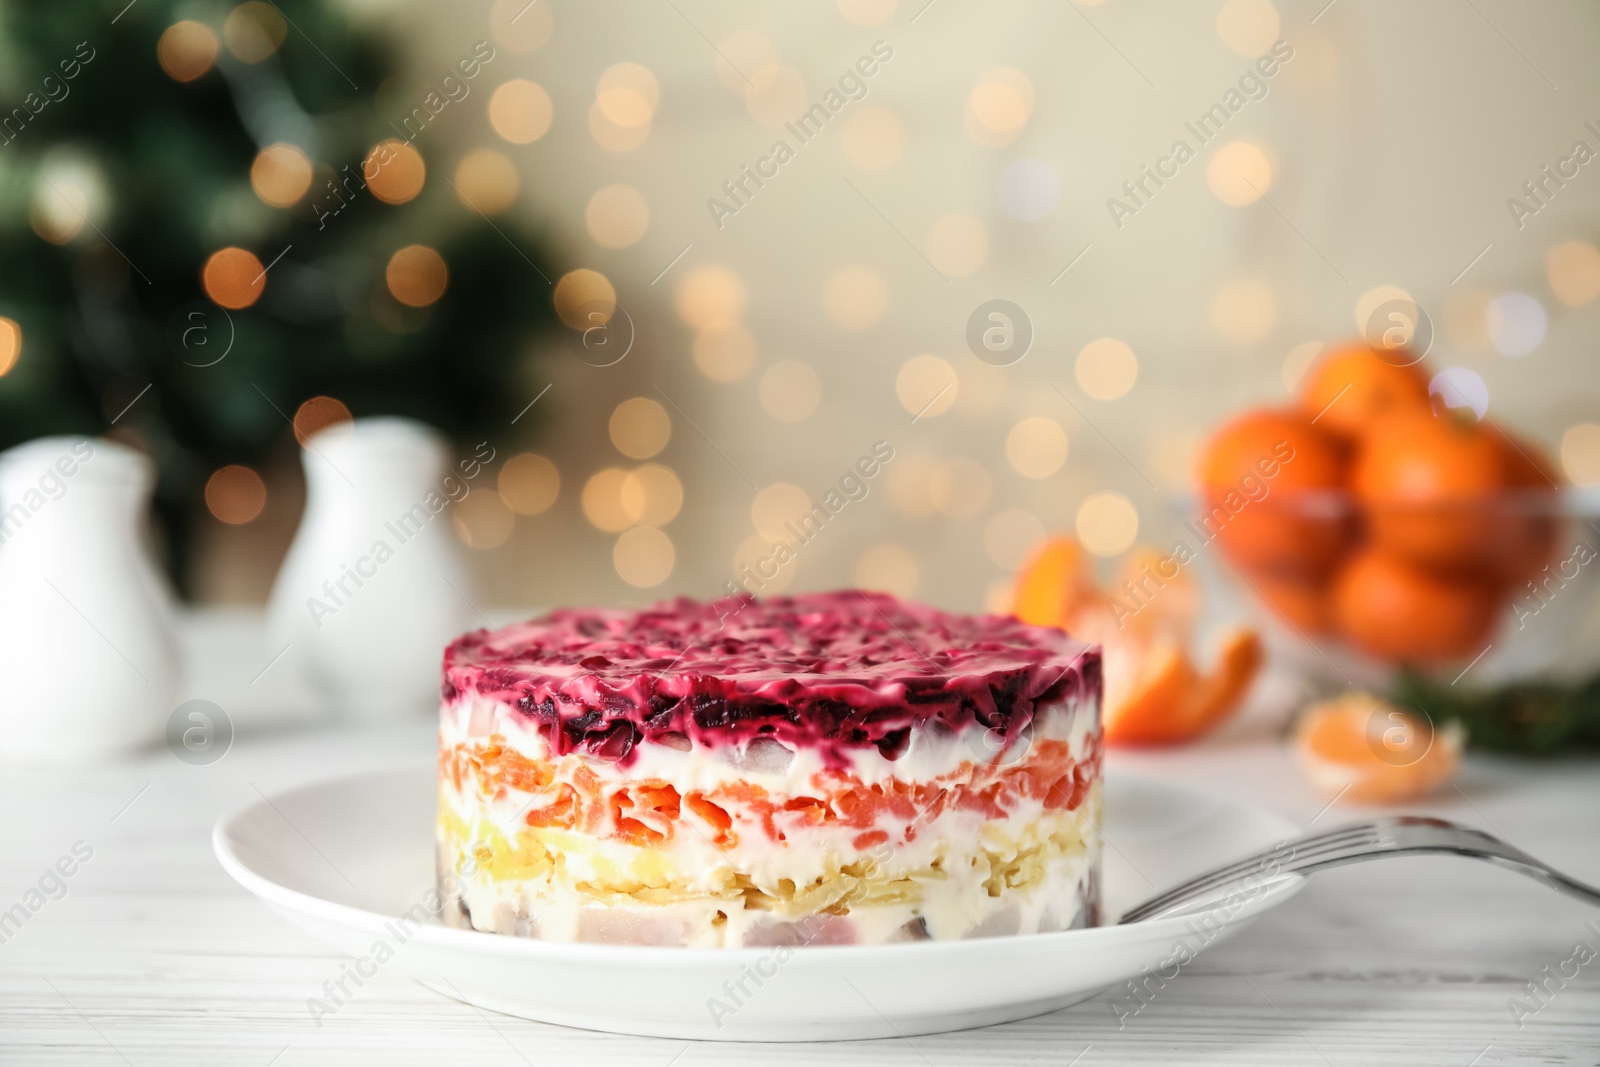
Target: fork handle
x=1358, y=843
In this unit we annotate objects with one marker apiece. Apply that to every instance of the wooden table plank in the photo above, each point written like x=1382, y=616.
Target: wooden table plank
x=154, y=956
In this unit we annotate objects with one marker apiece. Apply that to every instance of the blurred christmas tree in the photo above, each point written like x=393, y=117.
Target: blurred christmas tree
x=212, y=216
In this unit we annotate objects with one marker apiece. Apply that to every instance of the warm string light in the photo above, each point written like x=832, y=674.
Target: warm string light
x=640, y=427
x=520, y=111
x=233, y=278
x=486, y=181
x=280, y=175
x=316, y=415
x=529, y=483
x=235, y=495
x=394, y=171
x=417, y=276
x=10, y=345
x=254, y=30
x=926, y=386
x=187, y=50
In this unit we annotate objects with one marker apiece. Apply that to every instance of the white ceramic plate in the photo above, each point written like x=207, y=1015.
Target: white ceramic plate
x=343, y=859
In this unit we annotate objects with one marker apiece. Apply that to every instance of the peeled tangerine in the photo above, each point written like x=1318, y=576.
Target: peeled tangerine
x=1361, y=748
x=1154, y=693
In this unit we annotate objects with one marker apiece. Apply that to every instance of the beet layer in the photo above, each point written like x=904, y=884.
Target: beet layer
x=834, y=671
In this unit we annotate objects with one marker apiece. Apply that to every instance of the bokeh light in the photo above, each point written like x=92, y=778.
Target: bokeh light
x=59, y=209
x=612, y=137
x=866, y=12
x=778, y=96
x=316, y=415
x=280, y=175
x=651, y=495
x=233, y=278
x=742, y=57
x=486, y=181
x=725, y=353
x=529, y=483
x=10, y=345
x=1458, y=387
x=1574, y=271
x=775, y=507
x=1106, y=368
x=1243, y=311
x=1239, y=173
x=888, y=568
x=755, y=558
x=1011, y=536
x=709, y=297
x=1580, y=454
x=602, y=500
x=909, y=482
x=187, y=50
x=235, y=495
x=1249, y=27
x=1316, y=61
x=1036, y=447
x=1368, y=303
x=1516, y=323
x=417, y=275
x=521, y=26
x=627, y=95
x=394, y=171
x=253, y=31
x=957, y=245
x=482, y=520
x=960, y=488
x=520, y=111
x=1029, y=190
x=640, y=427
x=790, y=390
x=874, y=137
x=617, y=216
x=1107, y=523
x=644, y=557
x=999, y=106
x=584, y=298
x=854, y=299
x=926, y=386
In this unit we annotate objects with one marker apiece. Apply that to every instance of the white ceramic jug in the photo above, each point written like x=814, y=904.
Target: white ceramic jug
x=374, y=585
x=88, y=652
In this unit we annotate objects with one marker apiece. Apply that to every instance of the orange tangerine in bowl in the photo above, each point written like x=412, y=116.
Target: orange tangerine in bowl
x=1361, y=748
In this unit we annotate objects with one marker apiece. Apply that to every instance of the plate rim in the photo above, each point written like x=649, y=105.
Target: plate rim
x=277, y=895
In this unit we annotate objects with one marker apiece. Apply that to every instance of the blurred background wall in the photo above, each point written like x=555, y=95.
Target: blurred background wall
x=995, y=152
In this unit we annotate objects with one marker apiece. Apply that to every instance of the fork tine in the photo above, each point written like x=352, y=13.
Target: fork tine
x=1302, y=849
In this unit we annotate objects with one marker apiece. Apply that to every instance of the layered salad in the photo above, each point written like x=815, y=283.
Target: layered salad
x=837, y=768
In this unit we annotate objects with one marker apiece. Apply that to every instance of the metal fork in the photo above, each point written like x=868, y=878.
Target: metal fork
x=1395, y=836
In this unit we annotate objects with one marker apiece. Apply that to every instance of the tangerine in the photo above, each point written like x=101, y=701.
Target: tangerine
x=1269, y=482
x=1370, y=751
x=1533, y=525
x=1395, y=610
x=1355, y=385
x=1431, y=485
x=1301, y=602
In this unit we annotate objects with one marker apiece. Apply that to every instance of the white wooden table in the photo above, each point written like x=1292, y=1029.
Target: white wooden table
x=153, y=956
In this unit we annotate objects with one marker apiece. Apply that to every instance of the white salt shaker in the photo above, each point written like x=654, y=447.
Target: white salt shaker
x=88, y=650
x=374, y=585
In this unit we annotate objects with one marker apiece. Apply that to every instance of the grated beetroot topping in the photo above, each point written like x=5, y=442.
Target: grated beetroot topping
x=838, y=671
